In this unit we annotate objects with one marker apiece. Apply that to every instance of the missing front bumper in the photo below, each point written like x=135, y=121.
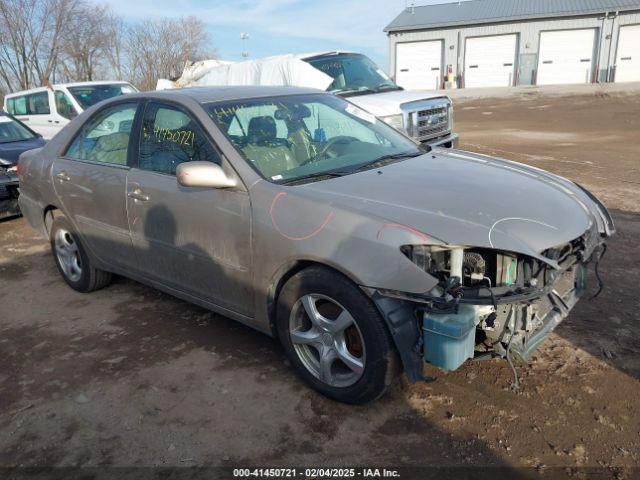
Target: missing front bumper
x=451, y=339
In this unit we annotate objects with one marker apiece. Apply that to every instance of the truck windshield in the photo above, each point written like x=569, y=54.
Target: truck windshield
x=353, y=74
x=88, y=95
x=298, y=138
x=12, y=131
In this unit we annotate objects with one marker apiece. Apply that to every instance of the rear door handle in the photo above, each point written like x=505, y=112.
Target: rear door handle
x=63, y=176
x=139, y=195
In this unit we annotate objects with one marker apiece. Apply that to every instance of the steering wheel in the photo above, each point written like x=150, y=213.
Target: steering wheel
x=328, y=149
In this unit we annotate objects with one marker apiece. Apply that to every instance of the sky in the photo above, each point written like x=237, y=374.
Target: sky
x=281, y=26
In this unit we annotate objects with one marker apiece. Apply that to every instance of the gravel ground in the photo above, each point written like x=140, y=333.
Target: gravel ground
x=128, y=376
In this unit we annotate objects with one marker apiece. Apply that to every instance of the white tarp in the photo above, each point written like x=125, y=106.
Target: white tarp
x=282, y=70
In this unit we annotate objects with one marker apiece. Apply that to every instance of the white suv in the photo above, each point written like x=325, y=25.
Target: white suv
x=47, y=109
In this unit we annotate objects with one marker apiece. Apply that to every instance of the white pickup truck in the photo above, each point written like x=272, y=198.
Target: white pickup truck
x=425, y=116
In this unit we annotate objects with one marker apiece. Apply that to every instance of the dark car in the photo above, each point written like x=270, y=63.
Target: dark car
x=15, y=138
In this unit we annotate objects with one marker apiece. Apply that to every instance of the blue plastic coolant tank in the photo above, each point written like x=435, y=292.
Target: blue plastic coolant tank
x=449, y=338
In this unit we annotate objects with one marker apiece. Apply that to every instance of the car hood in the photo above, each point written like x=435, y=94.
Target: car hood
x=12, y=150
x=389, y=103
x=460, y=198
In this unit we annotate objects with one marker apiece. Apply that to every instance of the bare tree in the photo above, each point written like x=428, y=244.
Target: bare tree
x=115, y=44
x=84, y=43
x=74, y=40
x=31, y=38
x=160, y=48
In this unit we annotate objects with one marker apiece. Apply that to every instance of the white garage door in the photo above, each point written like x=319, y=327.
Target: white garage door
x=628, y=58
x=419, y=65
x=566, y=56
x=490, y=61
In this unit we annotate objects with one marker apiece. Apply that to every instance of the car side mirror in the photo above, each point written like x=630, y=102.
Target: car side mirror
x=203, y=174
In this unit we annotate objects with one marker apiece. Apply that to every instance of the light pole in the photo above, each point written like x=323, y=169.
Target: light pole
x=244, y=37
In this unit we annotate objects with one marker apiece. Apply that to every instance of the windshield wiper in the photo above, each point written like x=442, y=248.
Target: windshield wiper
x=316, y=176
x=353, y=91
x=18, y=140
x=388, y=86
x=385, y=160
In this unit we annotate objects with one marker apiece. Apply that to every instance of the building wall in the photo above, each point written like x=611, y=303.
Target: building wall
x=528, y=42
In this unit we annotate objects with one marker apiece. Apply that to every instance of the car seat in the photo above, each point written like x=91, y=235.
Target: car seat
x=268, y=152
x=110, y=149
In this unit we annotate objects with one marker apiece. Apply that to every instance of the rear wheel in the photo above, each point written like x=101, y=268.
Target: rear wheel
x=335, y=337
x=72, y=260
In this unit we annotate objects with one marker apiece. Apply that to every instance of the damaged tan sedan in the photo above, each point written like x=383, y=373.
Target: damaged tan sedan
x=307, y=218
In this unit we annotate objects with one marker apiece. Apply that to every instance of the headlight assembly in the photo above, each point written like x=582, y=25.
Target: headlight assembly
x=396, y=121
x=474, y=267
x=8, y=166
x=430, y=258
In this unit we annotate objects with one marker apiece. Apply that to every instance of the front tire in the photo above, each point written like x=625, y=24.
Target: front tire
x=335, y=337
x=72, y=260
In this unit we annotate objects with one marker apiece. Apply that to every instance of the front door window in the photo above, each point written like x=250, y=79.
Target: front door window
x=170, y=137
x=64, y=106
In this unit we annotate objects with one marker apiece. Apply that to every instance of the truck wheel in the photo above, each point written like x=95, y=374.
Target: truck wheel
x=335, y=337
x=72, y=260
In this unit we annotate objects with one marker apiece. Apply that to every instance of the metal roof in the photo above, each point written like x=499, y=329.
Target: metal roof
x=476, y=12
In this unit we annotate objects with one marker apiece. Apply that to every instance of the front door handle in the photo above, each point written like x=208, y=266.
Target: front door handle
x=139, y=195
x=63, y=176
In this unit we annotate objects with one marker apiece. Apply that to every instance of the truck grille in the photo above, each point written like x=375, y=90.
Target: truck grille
x=430, y=121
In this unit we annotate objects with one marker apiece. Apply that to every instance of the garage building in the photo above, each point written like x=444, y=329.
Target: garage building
x=492, y=43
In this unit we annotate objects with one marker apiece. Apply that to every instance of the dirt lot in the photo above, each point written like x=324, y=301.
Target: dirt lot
x=128, y=376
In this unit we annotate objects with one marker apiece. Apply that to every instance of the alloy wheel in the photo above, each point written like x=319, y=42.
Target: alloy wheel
x=327, y=340
x=68, y=255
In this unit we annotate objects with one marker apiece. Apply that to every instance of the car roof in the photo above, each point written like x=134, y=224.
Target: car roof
x=73, y=84
x=204, y=95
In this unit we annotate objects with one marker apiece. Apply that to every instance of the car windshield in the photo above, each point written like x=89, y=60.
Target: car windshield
x=353, y=74
x=12, y=131
x=88, y=95
x=300, y=137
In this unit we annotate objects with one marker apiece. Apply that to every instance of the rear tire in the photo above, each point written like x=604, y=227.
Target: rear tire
x=335, y=337
x=72, y=260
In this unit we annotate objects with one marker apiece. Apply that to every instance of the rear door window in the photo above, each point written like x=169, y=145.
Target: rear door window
x=17, y=106
x=169, y=137
x=38, y=104
x=32, y=104
x=105, y=138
